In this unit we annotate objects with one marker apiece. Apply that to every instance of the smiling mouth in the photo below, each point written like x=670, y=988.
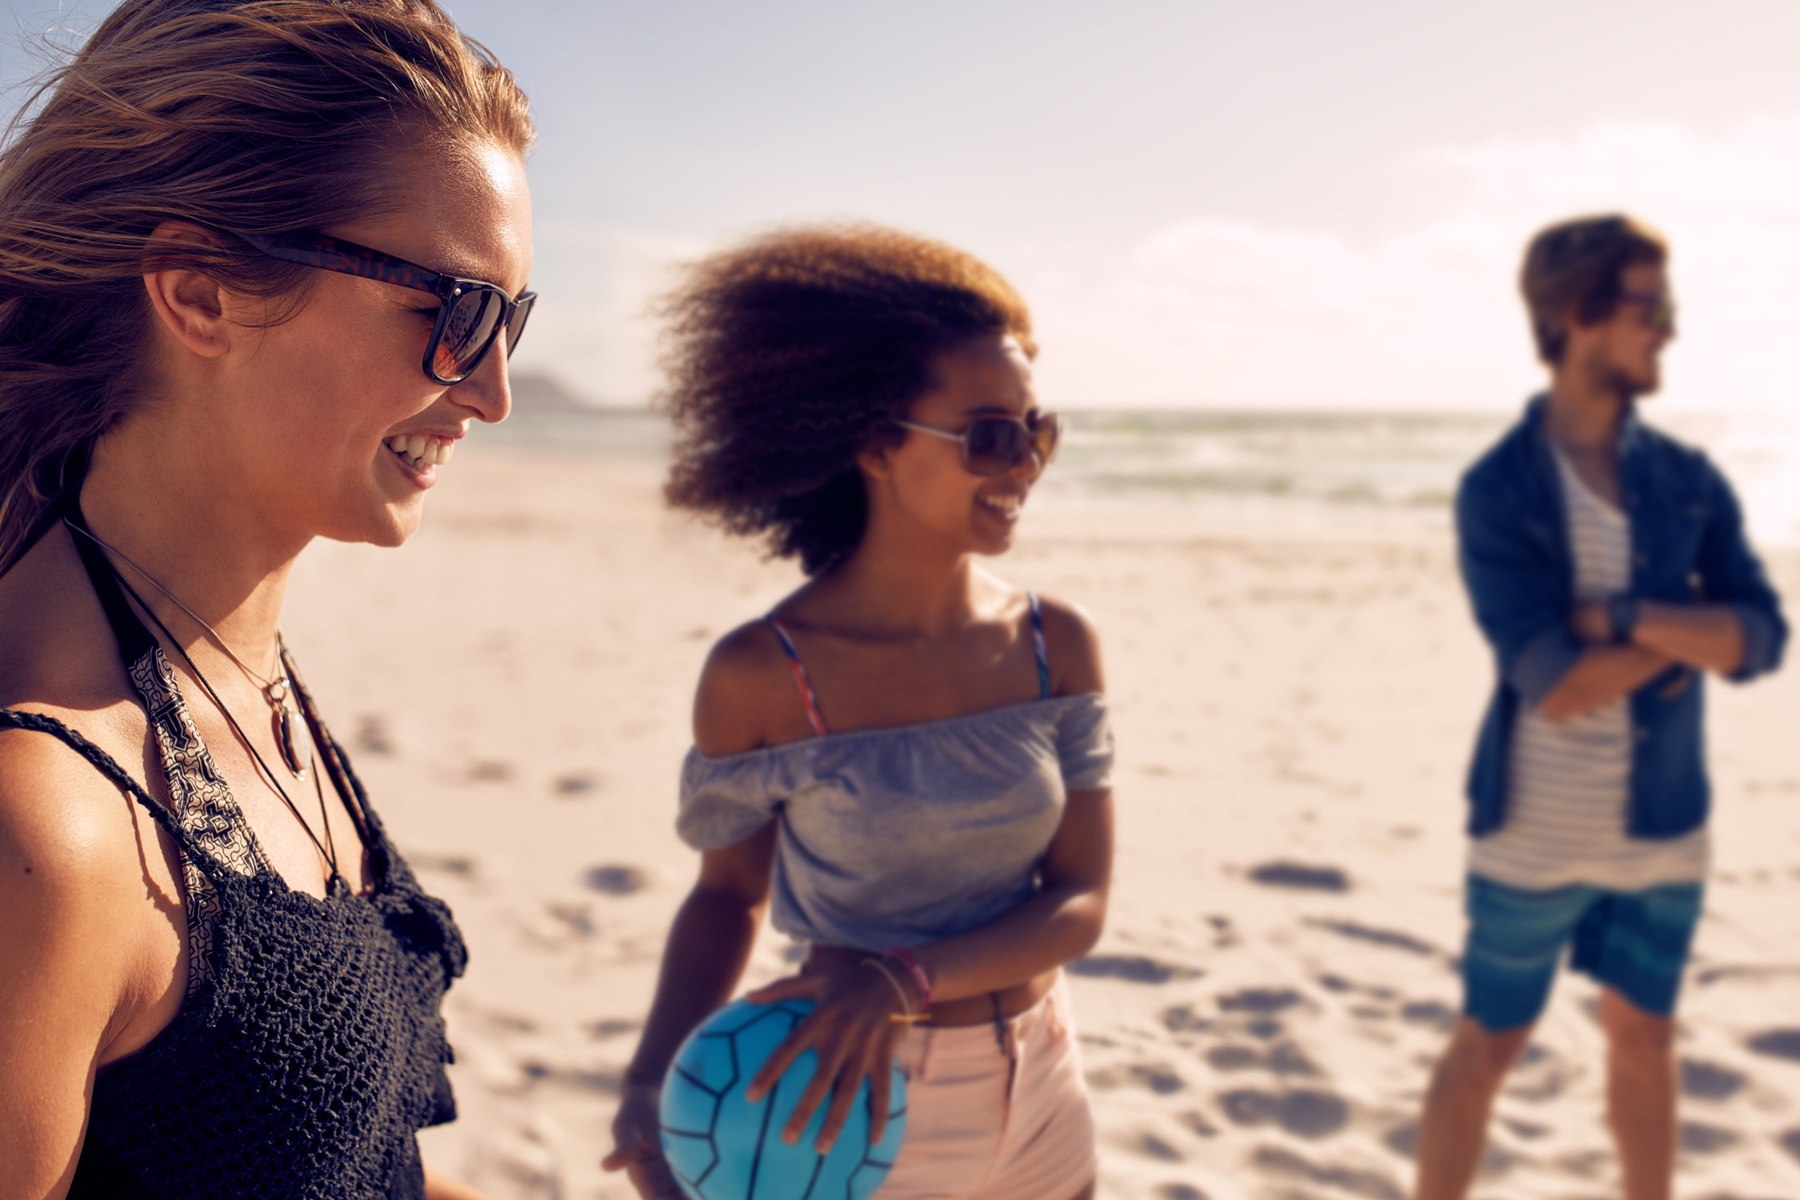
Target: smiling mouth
x=420, y=451
x=1007, y=505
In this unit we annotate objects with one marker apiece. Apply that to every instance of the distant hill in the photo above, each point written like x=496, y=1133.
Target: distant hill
x=534, y=393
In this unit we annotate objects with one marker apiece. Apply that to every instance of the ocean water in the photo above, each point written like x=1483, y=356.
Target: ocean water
x=1337, y=470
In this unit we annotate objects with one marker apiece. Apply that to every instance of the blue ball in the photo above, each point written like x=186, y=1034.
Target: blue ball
x=722, y=1147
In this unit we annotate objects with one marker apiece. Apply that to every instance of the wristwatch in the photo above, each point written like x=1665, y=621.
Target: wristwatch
x=1622, y=615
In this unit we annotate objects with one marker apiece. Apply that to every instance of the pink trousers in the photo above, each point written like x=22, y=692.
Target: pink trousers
x=982, y=1127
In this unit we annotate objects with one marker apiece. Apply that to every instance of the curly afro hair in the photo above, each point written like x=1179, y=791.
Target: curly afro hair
x=789, y=355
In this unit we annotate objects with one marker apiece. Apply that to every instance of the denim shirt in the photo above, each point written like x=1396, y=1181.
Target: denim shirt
x=1687, y=546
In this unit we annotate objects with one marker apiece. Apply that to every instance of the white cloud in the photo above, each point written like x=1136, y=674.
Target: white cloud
x=1210, y=311
x=1218, y=312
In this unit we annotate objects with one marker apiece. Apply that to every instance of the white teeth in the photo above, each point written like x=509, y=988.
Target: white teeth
x=421, y=450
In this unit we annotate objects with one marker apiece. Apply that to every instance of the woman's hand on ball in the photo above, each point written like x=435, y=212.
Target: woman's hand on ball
x=637, y=1144
x=853, y=1032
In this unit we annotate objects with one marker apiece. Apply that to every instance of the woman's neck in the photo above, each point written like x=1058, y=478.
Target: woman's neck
x=186, y=529
x=906, y=593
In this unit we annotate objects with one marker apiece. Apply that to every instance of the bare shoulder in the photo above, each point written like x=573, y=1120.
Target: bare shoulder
x=65, y=830
x=73, y=879
x=1072, y=642
x=743, y=684
x=71, y=885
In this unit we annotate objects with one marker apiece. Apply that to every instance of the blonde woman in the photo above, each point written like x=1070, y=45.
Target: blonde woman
x=260, y=268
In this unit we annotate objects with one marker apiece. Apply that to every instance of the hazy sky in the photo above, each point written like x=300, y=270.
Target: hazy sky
x=1285, y=202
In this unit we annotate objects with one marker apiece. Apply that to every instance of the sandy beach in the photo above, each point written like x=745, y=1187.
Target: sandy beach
x=1293, y=712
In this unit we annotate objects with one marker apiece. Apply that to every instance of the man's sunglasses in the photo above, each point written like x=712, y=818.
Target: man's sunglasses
x=1659, y=310
x=469, y=319
x=994, y=445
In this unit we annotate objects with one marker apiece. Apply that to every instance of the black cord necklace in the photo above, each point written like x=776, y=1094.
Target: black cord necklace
x=328, y=848
x=276, y=691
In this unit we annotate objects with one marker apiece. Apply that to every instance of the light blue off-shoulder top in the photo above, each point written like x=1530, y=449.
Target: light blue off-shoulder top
x=897, y=836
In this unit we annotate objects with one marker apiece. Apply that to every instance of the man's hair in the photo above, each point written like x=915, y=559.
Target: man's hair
x=1576, y=267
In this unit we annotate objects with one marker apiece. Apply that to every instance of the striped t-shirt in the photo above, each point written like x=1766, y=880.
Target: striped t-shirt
x=1569, y=781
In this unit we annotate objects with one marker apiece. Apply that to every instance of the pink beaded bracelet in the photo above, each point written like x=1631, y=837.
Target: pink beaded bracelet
x=911, y=962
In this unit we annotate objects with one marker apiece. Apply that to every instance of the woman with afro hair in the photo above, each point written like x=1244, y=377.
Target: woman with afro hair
x=907, y=760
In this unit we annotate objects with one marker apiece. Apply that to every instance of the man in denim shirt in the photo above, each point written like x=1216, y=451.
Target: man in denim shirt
x=1608, y=568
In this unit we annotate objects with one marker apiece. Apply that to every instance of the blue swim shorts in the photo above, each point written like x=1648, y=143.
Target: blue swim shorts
x=1633, y=942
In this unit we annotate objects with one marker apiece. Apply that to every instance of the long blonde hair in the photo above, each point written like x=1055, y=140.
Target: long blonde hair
x=272, y=116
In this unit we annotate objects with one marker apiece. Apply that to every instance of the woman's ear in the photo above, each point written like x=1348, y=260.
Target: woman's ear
x=191, y=306
x=874, y=461
x=876, y=458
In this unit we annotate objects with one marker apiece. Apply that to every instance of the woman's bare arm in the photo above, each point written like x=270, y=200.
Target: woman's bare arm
x=708, y=948
x=704, y=958
x=439, y=1186
x=715, y=928
x=66, y=956
x=1064, y=920
x=1057, y=926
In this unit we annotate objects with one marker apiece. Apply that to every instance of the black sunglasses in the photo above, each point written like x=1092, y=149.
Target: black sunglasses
x=1659, y=310
x=994, y=445
x=469, y=320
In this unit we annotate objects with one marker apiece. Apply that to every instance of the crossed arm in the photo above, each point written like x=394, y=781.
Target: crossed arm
x=1562, y=660
x=1705, y=637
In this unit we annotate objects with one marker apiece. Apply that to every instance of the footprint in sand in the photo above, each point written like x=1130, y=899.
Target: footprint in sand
x=372, y=736
x=576, y=916
x=1283, y=1058
x=1306, y=877
x=1710, y=1081
x=1371, y=1185
x=1700, y=1138
x=1131, y=968
x=1393, y=939
x=1154, y=1147
x=608, y=1029
x=1159, y=1078
x=575, y=783
x=1233, y=1058
x=450, y=864
x=1198, y=1125
x=1261, y=1001
x=1432, y=1014
x=1304, y=1112
x=615, y=880
x=1778, y=1043
x=1183, y=1019
x=1528, y=1130
x=606, y=1083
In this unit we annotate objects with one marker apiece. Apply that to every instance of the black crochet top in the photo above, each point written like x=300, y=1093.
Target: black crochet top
x=309, y=1049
